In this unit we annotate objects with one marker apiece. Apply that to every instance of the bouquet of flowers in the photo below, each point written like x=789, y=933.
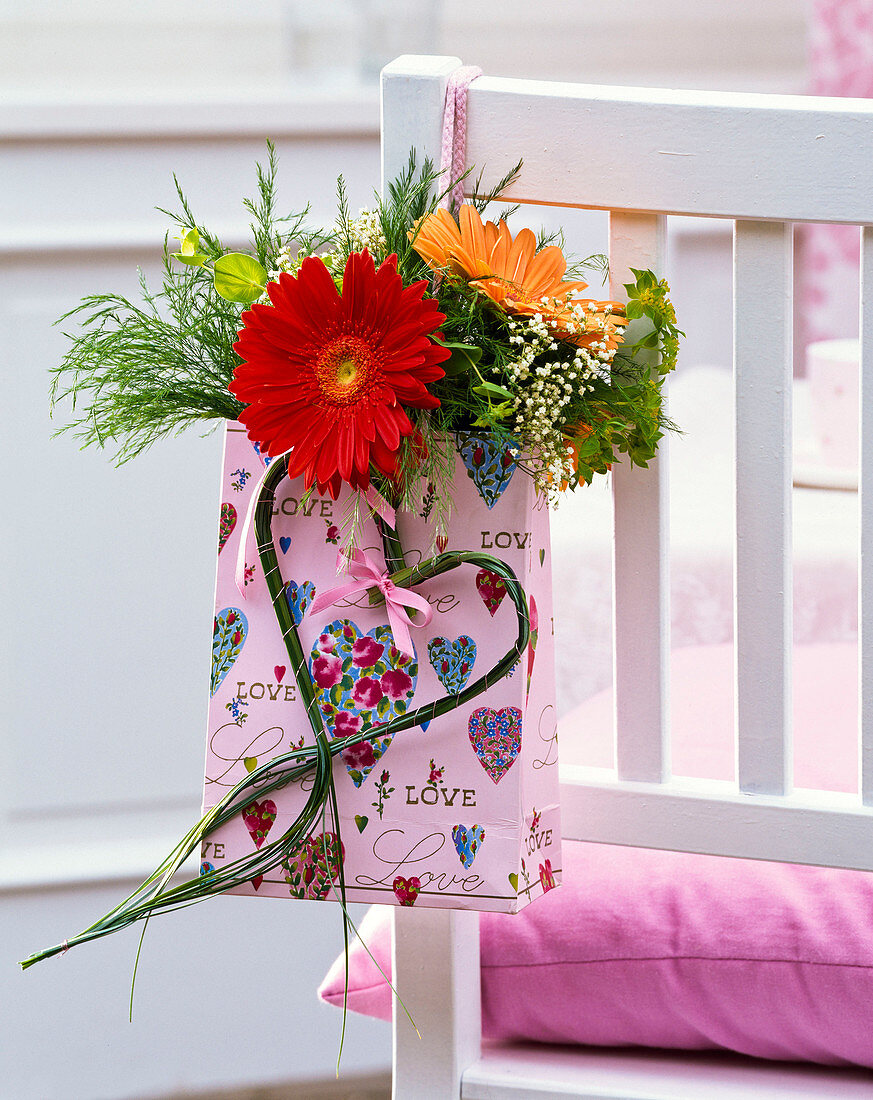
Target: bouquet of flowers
x=364, y=357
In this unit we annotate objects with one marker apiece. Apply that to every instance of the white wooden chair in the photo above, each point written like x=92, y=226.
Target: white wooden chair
x=765, y=161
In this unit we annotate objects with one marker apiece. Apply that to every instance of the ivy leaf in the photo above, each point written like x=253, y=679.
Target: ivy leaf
x=188, y=254
x=489, y=389
x=239, y=278
x=462, y=359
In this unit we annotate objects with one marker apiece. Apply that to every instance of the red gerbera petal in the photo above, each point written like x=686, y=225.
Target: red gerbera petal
x=325, y=375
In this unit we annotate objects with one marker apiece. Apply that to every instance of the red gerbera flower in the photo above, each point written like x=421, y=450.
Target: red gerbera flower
x=326, y=375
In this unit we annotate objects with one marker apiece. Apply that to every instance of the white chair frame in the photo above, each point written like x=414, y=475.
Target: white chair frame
x=765, y=161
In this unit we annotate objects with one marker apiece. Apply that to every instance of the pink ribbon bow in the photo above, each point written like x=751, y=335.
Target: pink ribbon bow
x=366, y=574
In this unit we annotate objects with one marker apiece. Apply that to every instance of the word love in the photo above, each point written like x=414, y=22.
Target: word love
x=537, y=840
x=284, y=693
x=391, y=850
x=503, y=540
x=217, y=850
x=431, y=795
x=290, y=506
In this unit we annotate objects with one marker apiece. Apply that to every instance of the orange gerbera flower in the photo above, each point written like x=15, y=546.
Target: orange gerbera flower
x=514, y=274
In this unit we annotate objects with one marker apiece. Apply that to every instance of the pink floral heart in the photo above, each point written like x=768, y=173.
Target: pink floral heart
x=310, y=870
x=259, y=818
x=406, y=889
x=547, y=876
x=491, y=589
x=532, y=642
x=496, y=738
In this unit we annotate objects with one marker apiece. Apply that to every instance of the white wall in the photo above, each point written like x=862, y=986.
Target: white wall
x=261, y=47
x=107, y=591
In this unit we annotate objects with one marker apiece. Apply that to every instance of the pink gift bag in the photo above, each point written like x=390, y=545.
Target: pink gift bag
x=459, y=811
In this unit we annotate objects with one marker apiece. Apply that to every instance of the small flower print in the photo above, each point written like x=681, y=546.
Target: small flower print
x=236, y=712
x=547, y=876
x=248, y=574
x=242, y=477
x=359, y=755
x=327, y=671
x=367, y=691
x=396, y=683
x=332, y=534
x=436, y=774
x=346, y=723
x=383, y=792
x=428, y=501
x=366, y=651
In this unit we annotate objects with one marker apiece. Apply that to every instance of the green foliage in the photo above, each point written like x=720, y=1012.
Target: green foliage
x=137, y=371
x=239, y=278
x=647, y=297
x=411, y=196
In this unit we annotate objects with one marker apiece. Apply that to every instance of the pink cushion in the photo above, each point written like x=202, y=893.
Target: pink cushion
x=671, y=949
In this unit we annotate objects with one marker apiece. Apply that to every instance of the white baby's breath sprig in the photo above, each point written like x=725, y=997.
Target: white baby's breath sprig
x=547, y=374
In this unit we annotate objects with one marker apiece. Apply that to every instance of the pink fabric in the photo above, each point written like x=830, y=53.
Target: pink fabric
x=669, y=949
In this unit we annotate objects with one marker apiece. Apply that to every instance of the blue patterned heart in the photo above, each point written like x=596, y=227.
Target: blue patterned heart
x=361, y=680
x=490, y=465
x=468, y=840
x=229, y=633
x=299, y=597
x=452, y=661
x=264, y=458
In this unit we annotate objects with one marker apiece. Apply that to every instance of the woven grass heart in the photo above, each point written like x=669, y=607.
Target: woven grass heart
x=312, y=860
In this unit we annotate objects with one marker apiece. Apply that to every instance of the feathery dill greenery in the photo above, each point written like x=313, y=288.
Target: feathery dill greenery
x=137, y=371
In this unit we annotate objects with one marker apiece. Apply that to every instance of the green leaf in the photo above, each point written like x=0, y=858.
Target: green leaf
x=463, y=358
x=487, y=389
x=189, y=241
x=196, y=259
x=239, y=278
x=634, y=309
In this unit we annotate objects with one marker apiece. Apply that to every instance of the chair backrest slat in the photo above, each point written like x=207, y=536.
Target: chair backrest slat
x=865, y=489
x=734, y=155
x=640, y=555
x=763, y=576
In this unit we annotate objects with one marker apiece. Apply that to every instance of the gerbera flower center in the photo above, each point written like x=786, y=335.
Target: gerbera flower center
x=344, y=369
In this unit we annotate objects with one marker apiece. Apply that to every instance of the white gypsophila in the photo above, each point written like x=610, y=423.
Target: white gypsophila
x=284, y=262
x=545, y=387
x=365, y=231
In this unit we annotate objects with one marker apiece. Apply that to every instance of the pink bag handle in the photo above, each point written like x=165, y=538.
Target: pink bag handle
x=453, y=159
